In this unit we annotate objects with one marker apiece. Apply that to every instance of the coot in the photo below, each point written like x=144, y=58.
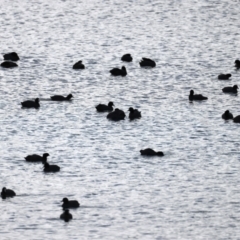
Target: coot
x=11, y=56
x=116, y=115
x=7, y=193
x=70, y=203
x=233, y=89
x=151, y=152
x=31, y=104
x=61, y=98
x=51, y=168
x=127, y=57
x=78, y=65
x=224, y=76
x=66, y=216
x=197, y=97
x=105, y=108
x=227, y=115
x=147, y=62
x=119, y=72
x=37, y=158
x=134, y=113
x=8, y=64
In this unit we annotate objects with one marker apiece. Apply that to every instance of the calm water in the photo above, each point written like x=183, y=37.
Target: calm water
x=192, y=192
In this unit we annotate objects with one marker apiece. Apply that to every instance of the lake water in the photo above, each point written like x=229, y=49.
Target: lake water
x=190, y=193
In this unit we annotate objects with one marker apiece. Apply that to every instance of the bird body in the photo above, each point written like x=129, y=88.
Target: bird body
x=236, y=119
x=105, y=108
x=119, y=72
x=31, y=104
x=7, y=193
x=227, y=115
x=11, y=56
x=116, y=115
x=233, y=89
x=70, y=203
x=197, y=97
x=61, y=98
x=151, y=152
x=37, y=158
x=8, y=64
x=66, y=216
x=237, y=64
x=127, y=57
x=224, y=76
x=78, y=65
x=147, y=62
x=51, y=168
x=134, y=113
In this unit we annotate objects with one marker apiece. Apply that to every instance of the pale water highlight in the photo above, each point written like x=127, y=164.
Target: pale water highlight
x=192, y=192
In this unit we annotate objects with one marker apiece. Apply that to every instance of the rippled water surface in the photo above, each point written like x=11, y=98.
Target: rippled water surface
x=190, y=193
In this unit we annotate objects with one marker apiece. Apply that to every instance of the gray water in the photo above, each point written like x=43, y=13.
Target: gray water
x=190, y=193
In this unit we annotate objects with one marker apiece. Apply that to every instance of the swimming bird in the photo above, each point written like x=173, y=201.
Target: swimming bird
x=70, y=203
x=37, y=158
x=61, y=98
x=31, y=104
x=66, y=216
x=197, y=97
x=119, y=72
x=147, y=62
x=134, y=113
x=236, y=119
x=51, y=168
x=7, y=193
x=224, y=76
x=233, y=89
x=116, y=115
x=237, y=63
x=78, y=65
x=11, y=56
x=227, y=115
x=8, y=64
x=105, y=108
x=151, y=152
x=127, y=57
